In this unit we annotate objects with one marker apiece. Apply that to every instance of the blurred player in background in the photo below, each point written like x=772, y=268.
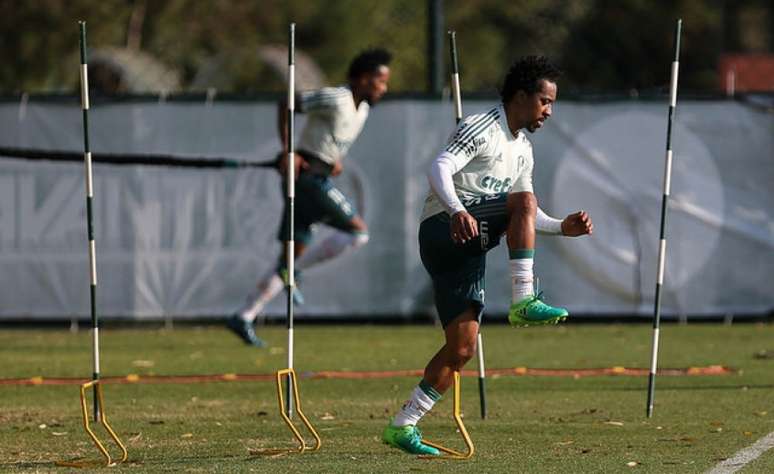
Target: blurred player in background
x=336, y=116
x=481, y=189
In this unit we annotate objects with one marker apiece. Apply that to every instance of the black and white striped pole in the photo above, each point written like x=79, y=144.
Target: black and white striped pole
x=457, y=96
x=455, y=77
x=90, y=214
x=291, y=196
x=664, y=209
x=94, y=383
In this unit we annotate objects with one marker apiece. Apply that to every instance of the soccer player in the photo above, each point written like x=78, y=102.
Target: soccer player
x=480, y=189
x=336, y=116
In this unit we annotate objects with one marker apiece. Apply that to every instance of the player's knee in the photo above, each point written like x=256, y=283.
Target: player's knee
x=359, y=239
x=522, y=203
x=462, y=354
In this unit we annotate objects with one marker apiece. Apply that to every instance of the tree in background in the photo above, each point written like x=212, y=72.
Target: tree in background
x=603, y=45
x=628, y=45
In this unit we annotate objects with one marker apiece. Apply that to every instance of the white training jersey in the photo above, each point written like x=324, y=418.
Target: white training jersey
x=333, y=122
x=490, y=160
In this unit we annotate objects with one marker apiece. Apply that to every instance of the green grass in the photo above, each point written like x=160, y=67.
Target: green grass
x=536, y=424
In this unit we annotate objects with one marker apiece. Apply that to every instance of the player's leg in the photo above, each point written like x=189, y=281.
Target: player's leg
x=526, y=307
x=339, y=242
x=522, y=208
x=318, y=201
x=336, y=211
x=273, y=282
x=459, y=348
x=457, y=273
x=268, y=287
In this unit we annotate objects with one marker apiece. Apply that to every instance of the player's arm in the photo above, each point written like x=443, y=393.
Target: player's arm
x=459, y=152
x=319, y=100
x=573, y=225
x=463, y=225
x=282, y=120
x=577, y=224
x=282, y=130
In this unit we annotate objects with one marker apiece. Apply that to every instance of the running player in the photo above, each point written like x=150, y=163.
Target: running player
x=336, y=116
x=481, y=188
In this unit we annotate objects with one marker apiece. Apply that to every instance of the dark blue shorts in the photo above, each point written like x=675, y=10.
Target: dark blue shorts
x=317, y=201
x=458, y=271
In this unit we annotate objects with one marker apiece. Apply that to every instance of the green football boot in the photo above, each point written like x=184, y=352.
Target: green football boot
x=408, y=438
x=531, y=311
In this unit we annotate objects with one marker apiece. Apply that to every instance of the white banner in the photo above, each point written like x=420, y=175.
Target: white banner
x=187, y=242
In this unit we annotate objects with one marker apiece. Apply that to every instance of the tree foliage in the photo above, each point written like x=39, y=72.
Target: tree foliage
x=603, y=45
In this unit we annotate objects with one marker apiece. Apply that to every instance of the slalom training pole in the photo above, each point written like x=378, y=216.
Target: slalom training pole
x=94, y=383
x=291, y=196
x=292, y=397
x=664, y=209
x=457, y=95
x=90, y=216
x=455, y=77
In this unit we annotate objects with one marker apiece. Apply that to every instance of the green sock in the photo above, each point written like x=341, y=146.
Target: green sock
x=429, y=390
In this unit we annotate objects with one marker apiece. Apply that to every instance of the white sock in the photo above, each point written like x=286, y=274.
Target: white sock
x=415, y=407
x=521, y=278
x=336, y=244
x=265, y=291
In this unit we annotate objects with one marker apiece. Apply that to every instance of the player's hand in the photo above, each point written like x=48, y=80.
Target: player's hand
x=577, y=224
x=337, y=168
x=299, y=162
x=464, y=227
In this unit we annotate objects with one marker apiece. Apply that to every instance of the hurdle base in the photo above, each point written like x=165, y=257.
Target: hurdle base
x=107, y=459
x=302, y=444
x=457, y=415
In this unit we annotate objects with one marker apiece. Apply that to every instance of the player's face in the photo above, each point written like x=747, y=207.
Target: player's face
x=537, y=107
x=375, y=85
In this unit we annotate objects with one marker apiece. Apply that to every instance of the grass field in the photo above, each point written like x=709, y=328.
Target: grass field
x=536, y=424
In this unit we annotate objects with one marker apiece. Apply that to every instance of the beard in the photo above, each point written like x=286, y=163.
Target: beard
x=532, y=127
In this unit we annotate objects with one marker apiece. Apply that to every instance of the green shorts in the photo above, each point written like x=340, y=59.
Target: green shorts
x=458, y=271
x=317, y=201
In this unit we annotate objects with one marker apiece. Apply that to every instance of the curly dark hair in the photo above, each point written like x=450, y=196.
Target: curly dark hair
x=525, y=74
x=368, y=61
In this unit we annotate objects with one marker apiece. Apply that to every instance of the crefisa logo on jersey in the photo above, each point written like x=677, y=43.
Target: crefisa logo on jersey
x=496, y=185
